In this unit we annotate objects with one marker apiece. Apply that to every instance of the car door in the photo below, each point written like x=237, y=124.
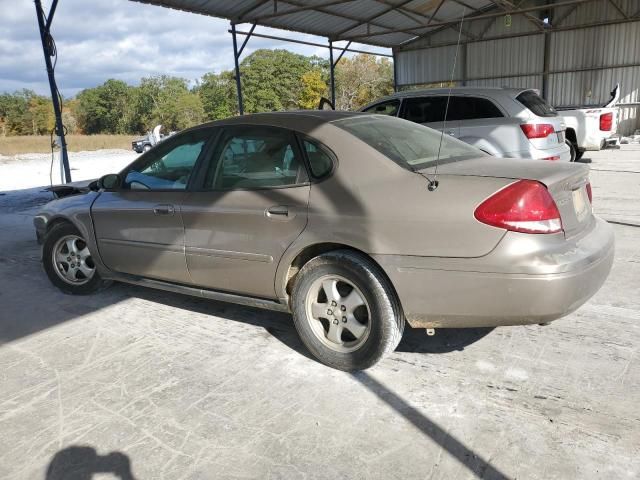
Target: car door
x=482, y=123
x=430, y=111
x=251, y=205
x=138, y=227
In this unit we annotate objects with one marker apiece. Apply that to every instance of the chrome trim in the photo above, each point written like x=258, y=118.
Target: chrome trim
x=212, y=252
x=265, y=303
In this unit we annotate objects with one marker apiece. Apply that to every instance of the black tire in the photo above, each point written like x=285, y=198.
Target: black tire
x=386, y=320
x=579, y=154
x=57, y=232
x=572, y=150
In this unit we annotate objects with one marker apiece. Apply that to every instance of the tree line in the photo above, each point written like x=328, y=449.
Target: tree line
x=272, y=80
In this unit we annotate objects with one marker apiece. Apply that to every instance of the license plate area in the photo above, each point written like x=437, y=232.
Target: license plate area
x=581, y=204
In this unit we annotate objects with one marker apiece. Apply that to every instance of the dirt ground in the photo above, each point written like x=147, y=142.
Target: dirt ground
x=137, y=383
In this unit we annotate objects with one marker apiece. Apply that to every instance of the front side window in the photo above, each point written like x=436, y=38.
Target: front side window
x=410, y=145
x=255, y=157
x=169, y=166
x=425, y=109
x=385, y=108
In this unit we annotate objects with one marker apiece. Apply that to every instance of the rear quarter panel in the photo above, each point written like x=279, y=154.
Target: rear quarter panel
x=372, y=204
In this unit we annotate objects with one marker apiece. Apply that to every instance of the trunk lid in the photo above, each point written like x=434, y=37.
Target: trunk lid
x=566, y=183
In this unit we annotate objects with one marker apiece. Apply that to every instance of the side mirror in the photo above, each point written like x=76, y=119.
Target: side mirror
x=111, y=181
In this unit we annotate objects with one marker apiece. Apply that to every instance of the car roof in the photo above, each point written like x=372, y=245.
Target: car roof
x=301, y=120
x=484, y=91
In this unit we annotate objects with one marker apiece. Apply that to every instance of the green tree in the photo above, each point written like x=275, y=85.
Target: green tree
x=271, y=79
x=217, y=92
x=104, y=109
x=362, y=79
x=313, y=88
x=167, y=101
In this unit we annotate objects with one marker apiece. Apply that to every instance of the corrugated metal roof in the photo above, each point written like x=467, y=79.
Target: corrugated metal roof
x=387, y=23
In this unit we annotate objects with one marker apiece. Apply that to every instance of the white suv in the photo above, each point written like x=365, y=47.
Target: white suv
x=504, y=122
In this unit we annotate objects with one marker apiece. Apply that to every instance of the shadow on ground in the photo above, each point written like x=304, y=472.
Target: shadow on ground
x=82, y=462
x=280, y=325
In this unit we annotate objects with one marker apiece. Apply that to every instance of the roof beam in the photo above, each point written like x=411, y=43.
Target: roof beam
x=476, y=17
x=252, y=8
x=313, y=44
x=508, y=5
x=617, y=7
x=377, y=15
x=283, y=13
x=322, y=8
x=412, y=14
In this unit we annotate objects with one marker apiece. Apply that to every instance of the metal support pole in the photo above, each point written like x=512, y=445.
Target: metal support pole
x=236, y=56
x=395, y=71
x=332, y=79
x=464, y=64
x=55, y=96
x=545, y=65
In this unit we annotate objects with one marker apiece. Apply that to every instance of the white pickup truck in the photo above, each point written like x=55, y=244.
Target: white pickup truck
x=589, y=128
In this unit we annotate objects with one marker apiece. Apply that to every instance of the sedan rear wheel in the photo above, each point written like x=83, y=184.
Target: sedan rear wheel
x=346, y=311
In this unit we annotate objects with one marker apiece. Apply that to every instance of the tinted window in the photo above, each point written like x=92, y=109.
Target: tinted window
x=536, y=104
x=408, y=144
x=471, y=108
x=170, y=165
x=385, y=108
x=255, y=157
x=424, y=110
x=320, y=161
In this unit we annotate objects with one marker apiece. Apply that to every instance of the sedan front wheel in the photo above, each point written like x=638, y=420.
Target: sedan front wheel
x=68, y=262
x=346, y=311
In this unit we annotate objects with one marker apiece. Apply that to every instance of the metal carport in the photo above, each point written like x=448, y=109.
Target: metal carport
x=573, y=51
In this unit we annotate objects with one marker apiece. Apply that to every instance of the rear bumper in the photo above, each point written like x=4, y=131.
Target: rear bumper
x=561, y=151
x=526, y=279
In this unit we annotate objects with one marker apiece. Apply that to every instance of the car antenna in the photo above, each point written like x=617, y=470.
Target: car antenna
x=433, y=184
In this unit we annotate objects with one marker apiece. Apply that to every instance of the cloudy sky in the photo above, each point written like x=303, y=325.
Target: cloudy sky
x=101, y=39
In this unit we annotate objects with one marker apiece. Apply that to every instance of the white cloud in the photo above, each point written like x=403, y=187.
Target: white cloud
x=101, y=39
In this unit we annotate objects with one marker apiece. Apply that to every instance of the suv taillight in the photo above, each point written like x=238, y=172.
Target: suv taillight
x=537, y=130
x=606, y=121
x=524, y=206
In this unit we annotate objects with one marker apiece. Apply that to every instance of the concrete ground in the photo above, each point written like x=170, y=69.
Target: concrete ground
x=144, y=384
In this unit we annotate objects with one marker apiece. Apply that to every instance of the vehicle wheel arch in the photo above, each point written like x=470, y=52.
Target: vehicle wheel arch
x=306, y=253
x=55, y=221
x=482, y=144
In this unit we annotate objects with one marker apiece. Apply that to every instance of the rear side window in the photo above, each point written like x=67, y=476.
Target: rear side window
x=320, y=161
x=472, y=108
x=385, y=108
x=255, y=157
x=536, y=104
x=425, y=109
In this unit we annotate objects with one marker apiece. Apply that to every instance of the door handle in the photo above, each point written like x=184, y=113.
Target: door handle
x=281, y=210
x=164, y=209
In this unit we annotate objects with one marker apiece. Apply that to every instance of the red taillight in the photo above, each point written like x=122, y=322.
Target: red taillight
x=555, y=157
x=537, y=130
x=524, y=206
x=606, y=121
x=589, y=193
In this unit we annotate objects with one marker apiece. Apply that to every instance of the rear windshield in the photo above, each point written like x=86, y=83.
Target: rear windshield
x=536, y=104
x=410, y=145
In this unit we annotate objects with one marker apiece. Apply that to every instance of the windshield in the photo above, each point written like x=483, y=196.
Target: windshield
x=410, y=145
